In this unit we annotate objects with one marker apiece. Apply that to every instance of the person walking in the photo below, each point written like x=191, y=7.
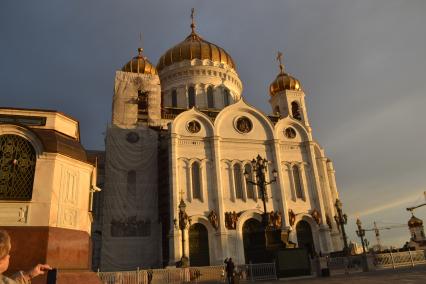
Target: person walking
x=22, y=277
x=229, y=270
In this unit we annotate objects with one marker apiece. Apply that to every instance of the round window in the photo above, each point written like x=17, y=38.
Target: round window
x=290, y=133
x=193, y=126
x=244, y=125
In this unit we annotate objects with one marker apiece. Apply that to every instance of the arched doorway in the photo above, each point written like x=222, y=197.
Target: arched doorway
x=254, y=242
x=198, y=245
x=304, y=237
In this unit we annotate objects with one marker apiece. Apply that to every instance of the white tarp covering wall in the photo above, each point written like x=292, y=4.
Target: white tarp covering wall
x=131, y=235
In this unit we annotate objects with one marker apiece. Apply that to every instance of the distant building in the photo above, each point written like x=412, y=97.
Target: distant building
x=418, y=239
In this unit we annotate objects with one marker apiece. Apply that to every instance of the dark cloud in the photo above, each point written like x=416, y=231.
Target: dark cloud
x=361, y=63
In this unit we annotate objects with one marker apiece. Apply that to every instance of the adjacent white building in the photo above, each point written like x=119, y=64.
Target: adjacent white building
x=182, y=131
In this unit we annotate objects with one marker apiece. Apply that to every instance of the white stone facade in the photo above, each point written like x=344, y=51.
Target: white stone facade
x=218, y=147
x=62, y=184
x=197, y=153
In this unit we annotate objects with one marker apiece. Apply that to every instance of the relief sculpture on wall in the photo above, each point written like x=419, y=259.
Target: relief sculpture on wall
x=316, y=216
x=328, y=220
x=275, y=220
x=213, y=219
x=231, y=219
x=291, y=217
x=130, y=227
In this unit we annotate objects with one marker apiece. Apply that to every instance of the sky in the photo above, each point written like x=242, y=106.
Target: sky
x=361, y=63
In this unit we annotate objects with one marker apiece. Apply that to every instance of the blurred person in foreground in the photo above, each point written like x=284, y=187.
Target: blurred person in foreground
x=22, y=277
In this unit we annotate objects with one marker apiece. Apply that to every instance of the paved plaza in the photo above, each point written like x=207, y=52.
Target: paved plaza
x=388, y=276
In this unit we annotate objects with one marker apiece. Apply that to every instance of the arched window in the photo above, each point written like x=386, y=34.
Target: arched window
x=131, y=183
x=295, y=110
x=191, y=97
x=225, y=97
x=174, y=98
x=196, y=180
x=142, y=101
x=238, y=179
x=17, y=168
x=210, y=100
x=297, y=182
x=250, y=187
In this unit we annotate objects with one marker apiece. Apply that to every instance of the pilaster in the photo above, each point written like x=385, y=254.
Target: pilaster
x=222, y=233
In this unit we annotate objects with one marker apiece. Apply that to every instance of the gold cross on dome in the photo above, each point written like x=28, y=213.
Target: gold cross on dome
x=192, y=19
x=279, y=59
x=140, y=49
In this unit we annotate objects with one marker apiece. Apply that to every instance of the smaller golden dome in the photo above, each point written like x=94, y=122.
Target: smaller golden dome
x=139, y=64
x=283, y=81
x=415, y=222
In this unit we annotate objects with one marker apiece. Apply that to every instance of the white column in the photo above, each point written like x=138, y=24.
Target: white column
x=327, y=190
x=324, y=230
x=222, y=232
x=174, y=235
x=281, y=185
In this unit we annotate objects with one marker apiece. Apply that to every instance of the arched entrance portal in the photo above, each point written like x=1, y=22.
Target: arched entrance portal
x=198, y=245
x=304, y=237
x=254, y=242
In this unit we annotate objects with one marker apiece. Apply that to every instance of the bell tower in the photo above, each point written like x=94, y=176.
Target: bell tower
x=287, y=96
x=137, y=94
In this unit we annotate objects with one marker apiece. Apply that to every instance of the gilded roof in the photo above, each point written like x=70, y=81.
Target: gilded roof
x=283, y=81
x=414, y=222
x=194, y=47
x=139, y=64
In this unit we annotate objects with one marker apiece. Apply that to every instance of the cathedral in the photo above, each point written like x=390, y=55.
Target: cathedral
x=179, y=175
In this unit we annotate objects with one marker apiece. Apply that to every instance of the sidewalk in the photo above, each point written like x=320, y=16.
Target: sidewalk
x=405, y=275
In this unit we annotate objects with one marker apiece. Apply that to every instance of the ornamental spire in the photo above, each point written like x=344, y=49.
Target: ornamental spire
x=140, y=49
x=192, y=20
x=279, y=59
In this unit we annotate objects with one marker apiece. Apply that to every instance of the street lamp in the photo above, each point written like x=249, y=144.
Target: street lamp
x=361, y=233
x=260, y=167
x=184, y=223
x=341, y=220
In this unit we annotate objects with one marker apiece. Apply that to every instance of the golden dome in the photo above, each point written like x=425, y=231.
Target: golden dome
x=283, y=81
x=139, y=64
x=414, y=222
x=194, y=47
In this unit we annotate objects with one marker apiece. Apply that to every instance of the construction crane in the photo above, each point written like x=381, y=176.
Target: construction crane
x=377, y=230
x=411, y=209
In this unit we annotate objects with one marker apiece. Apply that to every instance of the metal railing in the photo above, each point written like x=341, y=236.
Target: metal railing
x=398, y=259
x=258, y=271
x=345, y=264
x=204, y=274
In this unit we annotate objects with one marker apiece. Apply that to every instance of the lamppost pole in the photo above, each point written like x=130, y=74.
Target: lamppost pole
x=361, y=233
x=260, y=167
x=341, y=220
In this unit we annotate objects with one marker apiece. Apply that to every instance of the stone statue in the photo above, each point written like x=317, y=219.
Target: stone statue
x=231, y=219
x=213, y=219
x=291, y=217
x=316, y=216
x=328, y=220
